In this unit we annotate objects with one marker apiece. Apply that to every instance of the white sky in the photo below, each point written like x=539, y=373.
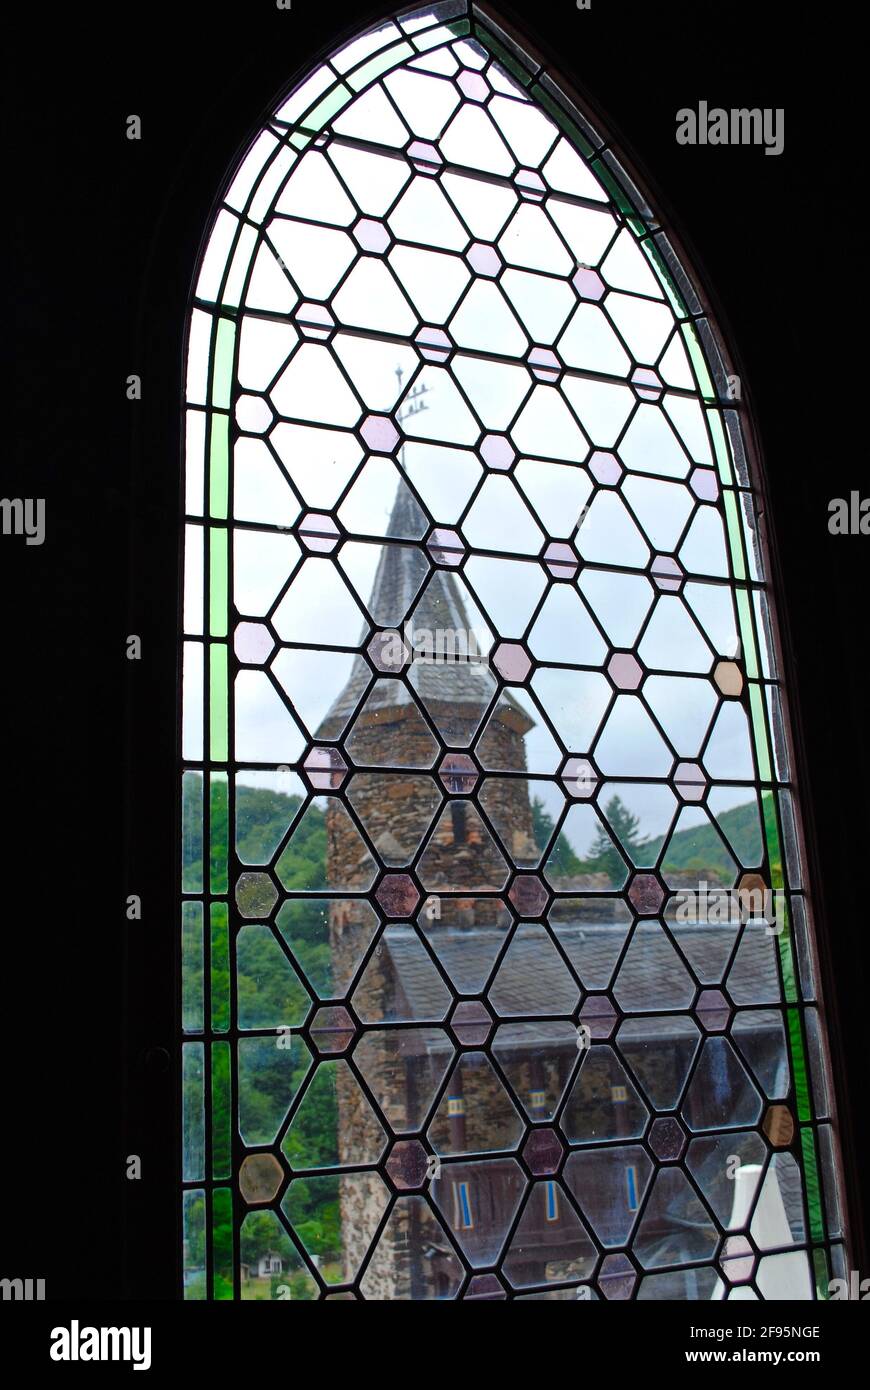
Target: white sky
x=422, y=276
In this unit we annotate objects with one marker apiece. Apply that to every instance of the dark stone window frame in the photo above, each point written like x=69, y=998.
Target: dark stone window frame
x=152, y=1217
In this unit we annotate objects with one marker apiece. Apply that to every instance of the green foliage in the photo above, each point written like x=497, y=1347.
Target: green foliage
x=271, y=994
x=698, y=850
x=302, y=866
x=262, y=819
x=603, y=854
x=192, y=967
x=312, y=1138
x=701, y=849
x=269, y=1077
x=220, y=1110
x=301, y=1286
x=222, y=1242
x=194, y=1228
x=260, y=1233
x=542, y=829
x=191, y=833
x=313, y=1208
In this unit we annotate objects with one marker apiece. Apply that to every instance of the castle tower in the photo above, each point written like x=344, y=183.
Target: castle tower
x=405, y=726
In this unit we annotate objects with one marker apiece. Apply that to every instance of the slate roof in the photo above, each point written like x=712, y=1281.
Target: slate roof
x=531, y=979
x=536, y=979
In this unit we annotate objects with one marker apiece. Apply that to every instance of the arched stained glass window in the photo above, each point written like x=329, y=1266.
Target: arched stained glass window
x=498, y=971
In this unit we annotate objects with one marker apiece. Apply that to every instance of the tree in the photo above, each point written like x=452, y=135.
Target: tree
x=562, y=857
x=603, y=854
x=260, y=1233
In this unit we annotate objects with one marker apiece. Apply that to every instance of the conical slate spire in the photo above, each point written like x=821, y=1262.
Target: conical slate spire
x=448, y=668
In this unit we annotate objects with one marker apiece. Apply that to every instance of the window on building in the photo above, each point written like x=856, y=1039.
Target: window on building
x=552, y=1192
x=462, y=1219
x=457, y=810
x=471, y=511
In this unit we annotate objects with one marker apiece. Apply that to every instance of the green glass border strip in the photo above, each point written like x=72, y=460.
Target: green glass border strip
x=747, y=634
x=797, y=1052
x=218, y=581
x=822, y=1271
x=327, y=108
x=720, y=445
x=801, y=1076
x=787, y=963
x=664, y=277
x=220, y=395
x=811, y=1181
x=732, y=522
x=618, y=195
x=762, y=748
x=220, y=967
x=192, y=969
x=785, y=939
x=563, y=120
x=218, y=469
x=502, y=54
x=222, y=363
x=771, y=837
x=218, y=693
x=699, y=362
x=221, y=1115
x=223, y=1243
x=219, y=832
x=382, y=62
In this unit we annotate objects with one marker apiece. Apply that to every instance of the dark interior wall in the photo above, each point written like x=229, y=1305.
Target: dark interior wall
x=104, y=236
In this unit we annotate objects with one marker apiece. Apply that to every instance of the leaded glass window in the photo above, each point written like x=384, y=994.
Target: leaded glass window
x=497, y=957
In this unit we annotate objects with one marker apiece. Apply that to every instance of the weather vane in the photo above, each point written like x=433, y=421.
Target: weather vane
x=413, y=404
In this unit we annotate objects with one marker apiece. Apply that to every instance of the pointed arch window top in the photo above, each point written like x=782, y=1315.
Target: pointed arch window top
x=430, y=153
x=455, y=97
x=480, y=675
